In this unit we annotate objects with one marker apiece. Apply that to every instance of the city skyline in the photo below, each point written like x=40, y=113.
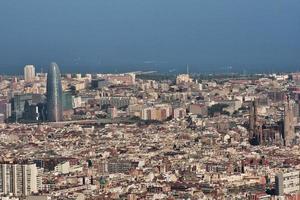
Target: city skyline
x=150, y=100
x=234, y=137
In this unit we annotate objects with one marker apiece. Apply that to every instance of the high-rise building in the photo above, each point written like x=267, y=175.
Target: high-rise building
x=289, y=122
x=287, y=182
x=5, y=108
x=18, y=103
x=159, y=112
x=19, y=179
x=29, y=73
x=54, y=94
x=67, y=100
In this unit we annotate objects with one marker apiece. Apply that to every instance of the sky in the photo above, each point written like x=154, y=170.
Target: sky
x=162, y=35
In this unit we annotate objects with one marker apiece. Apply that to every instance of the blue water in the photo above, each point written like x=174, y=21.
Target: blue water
x=164, y=35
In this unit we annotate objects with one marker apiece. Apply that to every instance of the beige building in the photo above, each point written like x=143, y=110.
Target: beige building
x=158, y=112
x=198, y=109
x=289, y=122
x=179, y=113
x=29, y=73
x=183, y=78
x=287, y=182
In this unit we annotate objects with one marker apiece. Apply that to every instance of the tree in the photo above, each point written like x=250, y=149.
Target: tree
x=217, y=108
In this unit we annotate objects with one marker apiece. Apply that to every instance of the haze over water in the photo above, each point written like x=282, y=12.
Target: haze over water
x=128, y=35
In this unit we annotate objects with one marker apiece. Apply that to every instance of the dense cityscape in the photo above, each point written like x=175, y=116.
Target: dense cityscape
x=142, y=135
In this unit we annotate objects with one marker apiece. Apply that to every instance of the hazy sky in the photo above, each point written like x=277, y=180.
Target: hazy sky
x=122, y=35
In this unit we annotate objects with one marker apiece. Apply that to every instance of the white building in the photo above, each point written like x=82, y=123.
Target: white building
x=183, y=78
x=287, y=182
x=29, y=73
x=62, y=168
x=78, y=76
x=66, y=168
x=77, y=103
x=19, y=179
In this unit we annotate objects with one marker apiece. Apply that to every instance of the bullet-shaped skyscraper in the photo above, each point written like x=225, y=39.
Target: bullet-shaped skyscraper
x=54, y=94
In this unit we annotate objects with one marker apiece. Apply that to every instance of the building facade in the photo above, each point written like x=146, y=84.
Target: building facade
x=54, y=94
x=289, y=122
x=19, y=179
x=29, y=73
x=287, y=183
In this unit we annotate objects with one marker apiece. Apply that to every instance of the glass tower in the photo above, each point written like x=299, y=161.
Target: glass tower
x=54, y=94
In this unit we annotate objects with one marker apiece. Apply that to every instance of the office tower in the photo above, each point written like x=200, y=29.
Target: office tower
x=289, y=122
x=67, y=100
x=5, y=108
x=19, y=179
x=54, y=94
x=34, y=112
x=18, y=103
x=29, y=73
